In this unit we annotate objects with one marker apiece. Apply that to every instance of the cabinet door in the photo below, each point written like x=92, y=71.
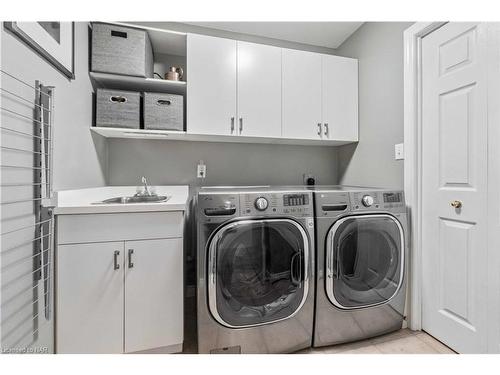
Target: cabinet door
x=90, y=298
x=211, y=85
x=259, y=90
x=153, y=294
x=340, y=98
x=301, y=94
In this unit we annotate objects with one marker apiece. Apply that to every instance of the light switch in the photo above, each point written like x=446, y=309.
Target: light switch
x=399, y=151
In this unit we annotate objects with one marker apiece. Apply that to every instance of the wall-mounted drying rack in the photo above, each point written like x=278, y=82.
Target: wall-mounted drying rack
x=27, y=224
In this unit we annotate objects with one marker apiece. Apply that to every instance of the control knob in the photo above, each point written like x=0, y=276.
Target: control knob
x=367, y=200
x=261, y=203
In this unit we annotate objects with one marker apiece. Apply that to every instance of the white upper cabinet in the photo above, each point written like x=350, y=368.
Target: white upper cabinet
x=301, y=94
x=340, y=98
x=320, y=96
x=253, y=90
x=211, y=85
x=259, y=90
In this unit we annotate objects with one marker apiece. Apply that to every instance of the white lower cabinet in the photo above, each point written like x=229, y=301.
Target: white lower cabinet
x=90, y=298
x=120, y=296
x=153, y=299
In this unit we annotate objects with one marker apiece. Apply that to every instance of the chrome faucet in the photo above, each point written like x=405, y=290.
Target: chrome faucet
x=146, y=190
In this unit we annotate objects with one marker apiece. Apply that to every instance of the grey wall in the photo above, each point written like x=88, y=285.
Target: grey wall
x=379, y=48
x=171, y=162
x=79, y=158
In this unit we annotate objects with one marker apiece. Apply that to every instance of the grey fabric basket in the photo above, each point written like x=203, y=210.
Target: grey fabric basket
x=163, y=111
x=118, y=109
x=121, y=50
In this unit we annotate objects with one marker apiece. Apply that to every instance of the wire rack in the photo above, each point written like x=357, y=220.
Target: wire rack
x=26, y=225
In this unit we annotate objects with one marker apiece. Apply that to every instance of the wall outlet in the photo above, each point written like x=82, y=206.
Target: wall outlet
x=306, y=177
x=202, y=170
x=399, y=151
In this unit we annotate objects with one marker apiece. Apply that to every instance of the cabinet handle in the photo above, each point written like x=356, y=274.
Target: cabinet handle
x=241, y=124
x=319, y=129
x=115, y=260
x=326, y=129
x=232, y=125
x=130, y=263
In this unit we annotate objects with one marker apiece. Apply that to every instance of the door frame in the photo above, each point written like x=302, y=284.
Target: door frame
x=413, y=160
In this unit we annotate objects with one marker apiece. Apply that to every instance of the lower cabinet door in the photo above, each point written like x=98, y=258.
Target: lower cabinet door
x=89, y=315
x=153, y=294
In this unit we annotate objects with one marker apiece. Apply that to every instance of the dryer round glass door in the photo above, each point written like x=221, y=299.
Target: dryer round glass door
x=364, y=260
x=257, y=271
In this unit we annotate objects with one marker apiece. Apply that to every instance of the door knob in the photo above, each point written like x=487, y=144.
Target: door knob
x=456, y=204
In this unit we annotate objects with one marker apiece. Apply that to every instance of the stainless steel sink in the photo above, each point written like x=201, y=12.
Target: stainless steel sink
x=136, y=199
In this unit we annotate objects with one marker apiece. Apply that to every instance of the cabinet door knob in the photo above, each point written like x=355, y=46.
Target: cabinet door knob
x=116, y=265
x=456, y=204
x=130, y=263
x=241, y=124
x=232, y=125
x=326, y=129
x=319, y=129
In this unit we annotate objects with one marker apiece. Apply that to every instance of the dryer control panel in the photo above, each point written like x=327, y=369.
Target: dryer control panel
x=280, y=204
x=377, y=200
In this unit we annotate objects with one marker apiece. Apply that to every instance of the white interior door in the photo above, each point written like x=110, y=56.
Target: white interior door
x=211, y=86
x=90, y=300
x=153, y=294
x=454, y=169
x=301, y=94
x=340, y=98
x=259, y=90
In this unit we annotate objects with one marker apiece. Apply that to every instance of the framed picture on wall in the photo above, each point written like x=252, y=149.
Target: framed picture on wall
x=54, y=41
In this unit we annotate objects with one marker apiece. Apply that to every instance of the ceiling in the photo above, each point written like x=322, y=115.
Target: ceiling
x=323, y=34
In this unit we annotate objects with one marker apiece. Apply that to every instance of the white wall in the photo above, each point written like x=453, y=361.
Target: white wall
x=79, y=158
x=379, y=48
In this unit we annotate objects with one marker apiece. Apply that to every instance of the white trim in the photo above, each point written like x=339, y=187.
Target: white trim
x=493, y=323
x=412, y=164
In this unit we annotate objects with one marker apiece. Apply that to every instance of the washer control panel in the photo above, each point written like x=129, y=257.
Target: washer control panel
x=261, y=203
x=287, y=204
x=367, y=200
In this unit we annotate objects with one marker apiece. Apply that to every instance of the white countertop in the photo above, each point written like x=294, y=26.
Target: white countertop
x=84, y=201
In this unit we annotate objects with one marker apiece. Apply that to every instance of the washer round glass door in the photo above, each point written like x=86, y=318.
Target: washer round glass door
x=257, y=271
x=365, y=260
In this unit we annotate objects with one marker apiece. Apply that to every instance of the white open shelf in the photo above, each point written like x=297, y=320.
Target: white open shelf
x=120, y=82
x=169, y=48
x=125, y=133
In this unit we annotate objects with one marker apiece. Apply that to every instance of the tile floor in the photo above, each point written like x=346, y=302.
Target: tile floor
x=400, y=342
